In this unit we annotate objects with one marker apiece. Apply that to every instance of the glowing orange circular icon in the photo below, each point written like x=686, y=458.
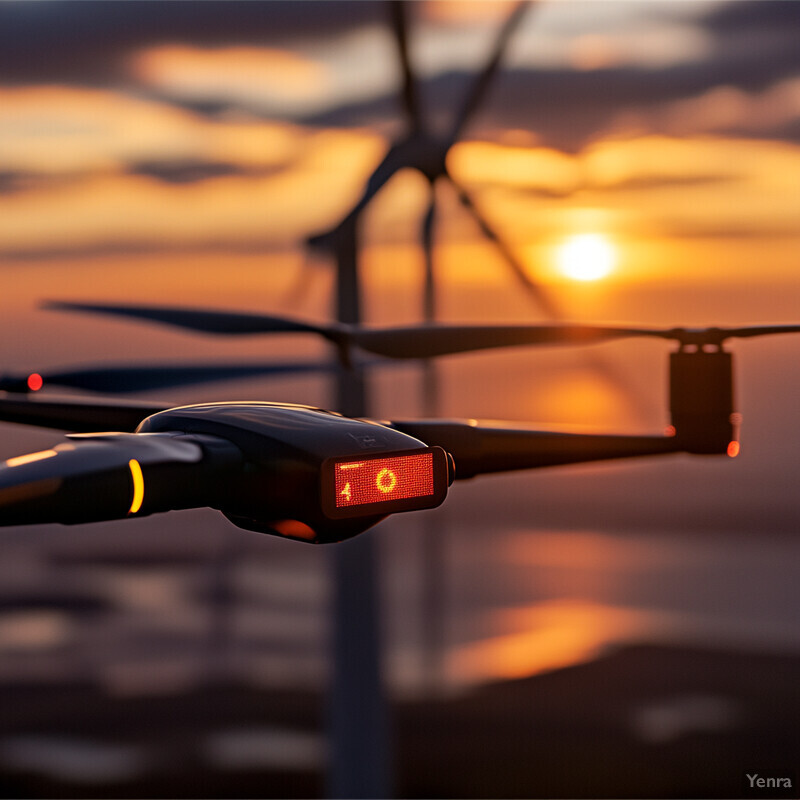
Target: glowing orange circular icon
x=386, y=481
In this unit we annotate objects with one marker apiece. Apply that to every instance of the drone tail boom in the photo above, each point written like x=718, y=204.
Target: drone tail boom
x=479, y=449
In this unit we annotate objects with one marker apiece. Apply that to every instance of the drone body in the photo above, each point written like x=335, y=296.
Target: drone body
x=317, y=476
x=269, y=467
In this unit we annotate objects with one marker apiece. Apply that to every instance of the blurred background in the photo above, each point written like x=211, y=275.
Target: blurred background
x=628, y=629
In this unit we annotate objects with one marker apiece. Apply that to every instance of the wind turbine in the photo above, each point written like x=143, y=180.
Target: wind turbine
x=357, y=679
x=422, y=149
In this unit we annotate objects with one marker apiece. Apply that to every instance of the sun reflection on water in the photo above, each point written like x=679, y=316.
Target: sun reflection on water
x=548, y=636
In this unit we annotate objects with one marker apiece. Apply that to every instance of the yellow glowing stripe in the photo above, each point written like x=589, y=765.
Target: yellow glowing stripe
x=138, y=486
x=29, y=459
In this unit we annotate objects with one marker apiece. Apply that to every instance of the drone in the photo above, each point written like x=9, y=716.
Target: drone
x=314, y=475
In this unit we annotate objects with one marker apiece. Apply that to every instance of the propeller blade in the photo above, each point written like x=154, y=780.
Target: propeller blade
x=747, y=332
x=112, y=476
x=398, y=12
x=429, y=341
x=203, y=320
x=113, y=379
x=79, y=416
x=439, y=340
x=481, y=449
x=478, y=90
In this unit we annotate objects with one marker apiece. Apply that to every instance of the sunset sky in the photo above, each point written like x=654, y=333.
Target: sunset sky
x=148, y=126
x=181, y=153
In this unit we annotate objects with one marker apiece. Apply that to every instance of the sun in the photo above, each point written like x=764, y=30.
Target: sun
x=586, y=257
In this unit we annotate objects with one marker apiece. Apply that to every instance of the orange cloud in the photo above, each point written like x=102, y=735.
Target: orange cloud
x=130, y=210
x=486, y=162
x=60, y=129
x=280, y=79
x=458, y=12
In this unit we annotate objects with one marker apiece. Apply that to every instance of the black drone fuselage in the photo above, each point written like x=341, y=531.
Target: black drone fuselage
x=290, y=454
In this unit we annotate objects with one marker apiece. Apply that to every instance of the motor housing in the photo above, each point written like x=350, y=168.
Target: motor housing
x=701, y=400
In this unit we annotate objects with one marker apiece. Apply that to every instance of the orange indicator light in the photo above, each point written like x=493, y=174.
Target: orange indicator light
x=138, y=486
x=35, y=381
x=380, y=479
x=733, y=449
x=18, y=461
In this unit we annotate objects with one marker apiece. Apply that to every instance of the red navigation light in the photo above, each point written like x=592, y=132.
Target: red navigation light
x=733, y=449
x=35, y=381
x=384, y=484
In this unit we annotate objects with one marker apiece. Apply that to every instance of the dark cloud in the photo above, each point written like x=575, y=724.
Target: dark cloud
x=649, y=182
x=170, y=171
x=117, y=247
x=640, y=183
x=196, y=170
x=567, y=108
x=82, y=40
x=753, y=46
x=12, y=182
x=754, y=18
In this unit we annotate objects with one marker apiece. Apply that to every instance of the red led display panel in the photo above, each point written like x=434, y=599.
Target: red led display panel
x=396, y=478
x=384, y=484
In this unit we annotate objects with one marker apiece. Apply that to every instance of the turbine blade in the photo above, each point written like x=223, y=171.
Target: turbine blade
x=478, y=89
x=112, y=476
x=537, y=293
x=398, y=12
x=396, y=158
x=481, y=449
x=203, y=320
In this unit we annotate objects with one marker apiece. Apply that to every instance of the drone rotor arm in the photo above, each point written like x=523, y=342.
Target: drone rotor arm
x=482, y=449
x=96, y=477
